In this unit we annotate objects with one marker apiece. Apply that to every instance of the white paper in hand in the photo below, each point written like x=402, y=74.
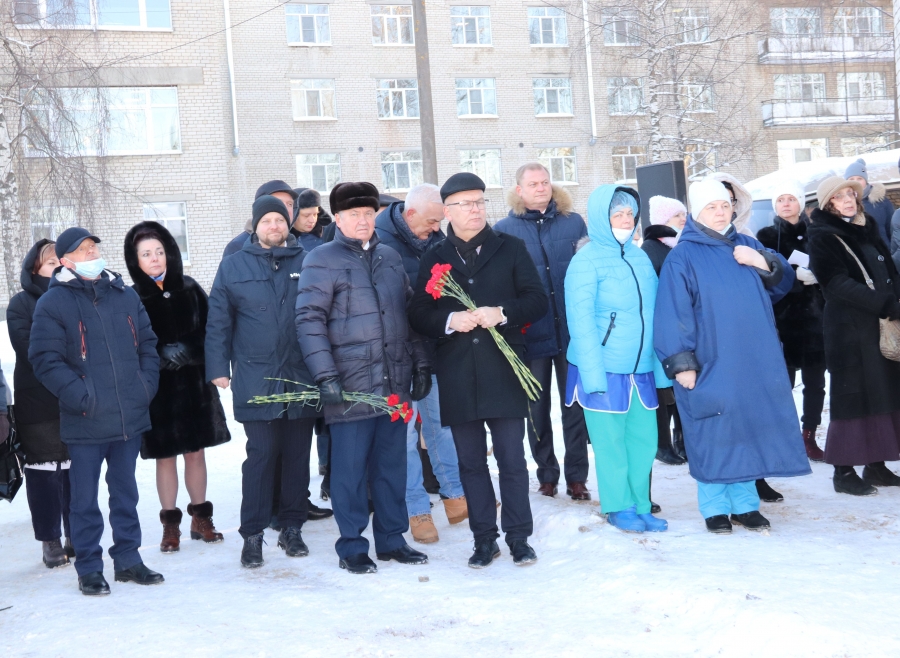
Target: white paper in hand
x=799, y=258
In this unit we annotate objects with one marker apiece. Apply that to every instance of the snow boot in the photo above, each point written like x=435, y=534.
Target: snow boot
x=719, y=524
x=291, y=541
x=813, y=451
x=70, y=550
x=457, y=509
x=678, y=444
x=522, y=553
x=665, y=453
x=422, y=528
x=202, y=524
x=847, y=481
x=53, y=554
x=578, y=491
x=653, y=524
x=171, y=539
x=406, y=554
x=879, y=475
x=626, y=520
x=358, y=564
x=486, y=551
x=751, y=520
x=548, y=489
x=251, y=554
x=766, y=493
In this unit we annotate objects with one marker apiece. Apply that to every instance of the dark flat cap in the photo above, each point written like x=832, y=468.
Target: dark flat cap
x=345, y=196
x=69, y=240
x=461, y=182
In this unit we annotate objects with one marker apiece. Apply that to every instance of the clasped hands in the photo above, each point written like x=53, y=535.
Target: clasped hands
x=483, y=316
x=745, y=255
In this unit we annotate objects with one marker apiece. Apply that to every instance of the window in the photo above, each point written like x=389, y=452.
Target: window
x=476, y=97
x=401, y=170
x=792, y=151
x=795, y=21
x=398, y=99
x=552, y=96
x=620, y=27
x=625, y=95
x=695, y=96
x=307, y=25
x=47, y=222
x=392, y=25
x=484, y=163
x=111, y=14
x=560, y=162
x=859, y=20
x=319, y=171
x=801, y=87
x=312, y=99
x=470, y=26
x=626, y=160
x=547, y=26
x=854, y=146
x=173, y=216
x=692, y=25
x=861, y=86
x=699, y=160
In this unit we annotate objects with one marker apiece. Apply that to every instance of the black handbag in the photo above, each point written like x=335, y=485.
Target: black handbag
x=11, y=461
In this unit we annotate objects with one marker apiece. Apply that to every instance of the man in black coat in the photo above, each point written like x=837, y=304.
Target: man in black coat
x=251, y=345
x=93, y=348
x=276, y=188
x=478, y=386
x=353, y=331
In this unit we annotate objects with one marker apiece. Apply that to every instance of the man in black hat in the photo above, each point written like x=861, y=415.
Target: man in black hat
x=478, y=386
x=276, y=188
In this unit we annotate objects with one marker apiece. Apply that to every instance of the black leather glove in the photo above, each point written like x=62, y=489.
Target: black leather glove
x=330, y=391
x=174, y=356
x=421, y=384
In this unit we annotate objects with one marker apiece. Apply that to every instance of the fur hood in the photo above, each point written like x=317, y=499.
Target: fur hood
x=878, y=193
x=744, y=202
x=144, y=285
x=560, y=195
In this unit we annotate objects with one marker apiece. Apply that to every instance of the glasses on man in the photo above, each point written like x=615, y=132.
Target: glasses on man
x=466, y=206
x=849, y=194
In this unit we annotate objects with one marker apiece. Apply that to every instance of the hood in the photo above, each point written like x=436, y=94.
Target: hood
x=144, y=285
x=877, y=193
x=744, y=201
x=26, y=278
x=385, y=219
x=63, y=276
x=599, y=230
x=659, y=231
x=694, y=232
x=560, y=195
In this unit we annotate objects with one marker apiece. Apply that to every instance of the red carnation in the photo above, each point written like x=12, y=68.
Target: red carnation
x=393, y=400
x=418, y=418
x=525, y=328
x=395, y=416
x=405, y=408
x=408, y=416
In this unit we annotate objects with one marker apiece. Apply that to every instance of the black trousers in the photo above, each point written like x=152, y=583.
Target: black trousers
x=266, y=441
x=48, y=499
x=813, y=394
x=575, y=435
x=507, y=435
x=665, y=413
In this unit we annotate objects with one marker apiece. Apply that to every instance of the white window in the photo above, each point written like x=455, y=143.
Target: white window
x=795, y=21
x=484, y=163
x=691, y=25
x=172, y=215
x=854, y=146
x=476, y=97
x=626, y=160
x=109, y=14
x=620, y=27
x=313, y=99
x=470, y=26
x=307, y=25
x=792, y=151
x=401, y=170
x=861, y=86
x=392, y=25
x=695, y=96
x=397, y=99
x=800, y=87
x=700, y=160
x=625, y=96
x=547, y=26
x=859, y=20
x=48, y=221
x=552, y=96
x=319, y=171
x=560, y=162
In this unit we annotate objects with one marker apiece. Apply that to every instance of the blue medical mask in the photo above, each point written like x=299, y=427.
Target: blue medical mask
x=90, y=269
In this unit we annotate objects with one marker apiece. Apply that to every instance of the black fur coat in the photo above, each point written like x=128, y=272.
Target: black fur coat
x=186, y=413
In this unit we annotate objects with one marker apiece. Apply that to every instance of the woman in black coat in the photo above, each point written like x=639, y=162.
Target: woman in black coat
x=186, y=413
x=37, y=415
x=865, y=386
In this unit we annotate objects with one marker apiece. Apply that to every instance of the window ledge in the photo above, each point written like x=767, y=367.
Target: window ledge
x=564, y=183
x=627, y=114
x=297, y=44
x=315, y=119
x=478, y=116
x=473, y=45
x=553, y=116
x=398, y=118
x=98, y=28
x=549, y=45
x=394, y=45
x=621, y=45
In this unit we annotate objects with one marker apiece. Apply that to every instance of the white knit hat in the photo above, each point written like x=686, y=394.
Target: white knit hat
x=788, y=186
x=662, y=209
x=704, y=192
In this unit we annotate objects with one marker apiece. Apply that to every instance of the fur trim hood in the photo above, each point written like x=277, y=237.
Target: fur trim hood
x=878, y=193
x=560, y=195
x=144, y=285
x=744, y=202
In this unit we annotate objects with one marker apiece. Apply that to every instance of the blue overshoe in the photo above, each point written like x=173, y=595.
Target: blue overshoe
x=653, y=524
x=627, y=520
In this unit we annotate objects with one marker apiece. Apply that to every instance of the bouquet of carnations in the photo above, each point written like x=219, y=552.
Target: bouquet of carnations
x=310, y=395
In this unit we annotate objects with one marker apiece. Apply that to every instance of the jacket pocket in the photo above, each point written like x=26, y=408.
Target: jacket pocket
x=143, y=380
x=90, y=406
x=353, y=363
x=707, y=399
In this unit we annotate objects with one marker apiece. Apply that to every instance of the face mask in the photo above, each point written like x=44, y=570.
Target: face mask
x=679, y=230
x=90, y=269
x=725, y=230
x=622, y=235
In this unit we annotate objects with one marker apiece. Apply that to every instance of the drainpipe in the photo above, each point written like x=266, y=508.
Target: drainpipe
x=590, y=70
x=230, y=53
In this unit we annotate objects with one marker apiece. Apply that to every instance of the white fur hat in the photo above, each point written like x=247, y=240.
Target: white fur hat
x=788, y=186
x=662, y=209
x=704, y=192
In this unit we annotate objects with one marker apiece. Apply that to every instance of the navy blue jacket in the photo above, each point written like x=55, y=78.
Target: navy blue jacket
x=236, y=244
x=93, y=348
x=391, y=236
x=309, y=241
x=551, y=238
x=250, y=332
x=879, y=207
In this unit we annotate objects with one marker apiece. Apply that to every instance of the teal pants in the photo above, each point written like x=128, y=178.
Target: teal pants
x=736, y=498
x=624, y=449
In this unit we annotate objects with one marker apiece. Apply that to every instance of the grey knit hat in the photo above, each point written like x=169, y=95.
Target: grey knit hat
x=858, y=168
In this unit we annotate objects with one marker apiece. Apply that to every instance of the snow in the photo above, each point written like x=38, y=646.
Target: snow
x=822, y=582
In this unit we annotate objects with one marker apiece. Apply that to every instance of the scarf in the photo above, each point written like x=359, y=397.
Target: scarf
x=418, y=245
x=468, y=251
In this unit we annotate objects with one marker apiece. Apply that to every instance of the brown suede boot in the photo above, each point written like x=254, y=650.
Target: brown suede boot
x=171, y=539
x=423, y=530
x=457, y=509
x=813, y=451
x=202, y=524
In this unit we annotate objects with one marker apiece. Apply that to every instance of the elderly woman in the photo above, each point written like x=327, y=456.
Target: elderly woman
x=861, y=285
x=613, y=373
x=715, y=334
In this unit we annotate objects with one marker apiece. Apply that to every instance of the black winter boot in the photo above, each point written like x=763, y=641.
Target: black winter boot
x=522, y=553
x=879, y=475
x=139, y=574
x=847, y=481
x=751, y=520
x=70, y=550
x=678, y=444
x=54, y=554
x=766, y=493
x=486, y=550
x=251, y=554
x=292, y=542
x=719, y=524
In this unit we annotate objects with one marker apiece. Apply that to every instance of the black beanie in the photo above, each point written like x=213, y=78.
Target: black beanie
x=461, y=182
x=266, y=204
x=345, y=196
x=275, y=186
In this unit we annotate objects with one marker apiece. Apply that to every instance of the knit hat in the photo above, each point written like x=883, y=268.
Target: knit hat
x=662, y=209
x=274, y=186
x=461, y=182
x=266, y=204
x=345, y=196
x=69, y=240
x=831, y=186
x=704, y=192
x=788, y=186
x=858, y=168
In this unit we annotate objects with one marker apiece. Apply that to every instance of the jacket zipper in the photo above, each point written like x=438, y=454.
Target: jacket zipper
x=133, y=332
x=83, y=342
x=612, y=325
x=384, y=360
x=540, y=224
x=640, y=308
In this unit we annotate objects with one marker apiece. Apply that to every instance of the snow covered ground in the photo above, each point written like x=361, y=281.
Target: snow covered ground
x=823, y=582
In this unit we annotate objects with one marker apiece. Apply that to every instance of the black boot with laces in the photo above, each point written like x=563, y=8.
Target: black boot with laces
x=251, y=554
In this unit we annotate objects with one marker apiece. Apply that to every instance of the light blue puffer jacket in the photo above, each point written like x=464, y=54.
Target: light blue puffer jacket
x=610, y=297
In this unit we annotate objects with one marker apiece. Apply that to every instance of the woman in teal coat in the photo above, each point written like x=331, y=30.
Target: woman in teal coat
x=614, y=371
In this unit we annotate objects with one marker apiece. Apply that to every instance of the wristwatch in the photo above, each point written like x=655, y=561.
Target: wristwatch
x=502, y=315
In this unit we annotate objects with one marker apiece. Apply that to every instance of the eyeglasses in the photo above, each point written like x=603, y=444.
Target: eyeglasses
x=849, y=194
x=466, y=206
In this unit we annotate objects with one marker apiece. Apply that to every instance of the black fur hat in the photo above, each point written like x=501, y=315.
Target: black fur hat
x=345, y=196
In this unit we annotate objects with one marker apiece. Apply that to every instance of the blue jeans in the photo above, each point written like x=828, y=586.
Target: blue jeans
x=736, y=498
x=441, y=452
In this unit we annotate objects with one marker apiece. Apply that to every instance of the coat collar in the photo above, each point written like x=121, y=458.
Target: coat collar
x=449, y=254
x=353, y=244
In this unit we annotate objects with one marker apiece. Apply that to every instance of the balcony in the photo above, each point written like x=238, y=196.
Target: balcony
x=827, y=111
x=791, y=49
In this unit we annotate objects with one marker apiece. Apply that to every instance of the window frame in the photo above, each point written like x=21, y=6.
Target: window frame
x=695, y=103
x=797, y=81
x=855, y=15
x=93, y=8
x=548, y=159
x=563, y=96
x=382, y=93
x=310, y=182
x=556, y=19
x=316, y=24
x=458, y=26
x=868, y=79
x=489, y=91
x=490, y=157
x=164, y=220
x=614, y=90
x=637, y=156
x=699, y=16
x=296, y=88
x=779, y=18
x=412, y=179
x=50, y=213
x=692, y=161
x=400, y=18
x=615, y=15
x=864, y=145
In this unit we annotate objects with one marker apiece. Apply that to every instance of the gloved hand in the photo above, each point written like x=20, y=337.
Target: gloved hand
x=421, y=383
x=806, y=276
x=174, y=356
x=330, y=391
x=4, y=425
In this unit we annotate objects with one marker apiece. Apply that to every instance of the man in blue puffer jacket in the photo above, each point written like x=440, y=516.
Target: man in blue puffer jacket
x=541, y=215
x=93, y=348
